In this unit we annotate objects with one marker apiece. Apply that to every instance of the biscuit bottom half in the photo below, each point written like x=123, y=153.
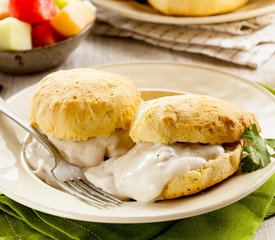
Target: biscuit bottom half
x=214, y=171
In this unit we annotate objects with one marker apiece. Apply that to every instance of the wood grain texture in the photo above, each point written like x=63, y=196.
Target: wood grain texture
x=100, y=50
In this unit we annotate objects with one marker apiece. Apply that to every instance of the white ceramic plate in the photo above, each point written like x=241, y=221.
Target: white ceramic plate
x=17, y=183
x=142, y=12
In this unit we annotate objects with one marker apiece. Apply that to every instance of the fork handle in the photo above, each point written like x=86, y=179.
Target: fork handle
x=5, y=109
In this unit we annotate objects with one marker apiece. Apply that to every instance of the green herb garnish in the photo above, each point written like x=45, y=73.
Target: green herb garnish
x=256, y=155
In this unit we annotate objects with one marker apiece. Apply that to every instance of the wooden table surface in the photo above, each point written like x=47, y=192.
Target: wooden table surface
x=100, y=50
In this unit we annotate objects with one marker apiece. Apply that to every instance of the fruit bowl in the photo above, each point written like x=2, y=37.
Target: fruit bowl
x=40, y=58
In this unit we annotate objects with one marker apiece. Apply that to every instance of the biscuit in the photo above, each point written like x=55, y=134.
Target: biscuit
x=81, y=103
x=190, y=118
x=214, y=171
x=196, y=7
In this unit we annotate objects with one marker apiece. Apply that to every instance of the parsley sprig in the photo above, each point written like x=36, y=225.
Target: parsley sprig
x=256, y=155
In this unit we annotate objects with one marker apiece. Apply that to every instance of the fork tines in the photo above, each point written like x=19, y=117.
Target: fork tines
x=86, y=190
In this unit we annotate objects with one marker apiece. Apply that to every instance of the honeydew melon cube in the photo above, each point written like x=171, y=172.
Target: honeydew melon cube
x=15, y=34
x=57, y=9
x=73, y=18
x=90, y=6
x=4, y=9
x=61, y=3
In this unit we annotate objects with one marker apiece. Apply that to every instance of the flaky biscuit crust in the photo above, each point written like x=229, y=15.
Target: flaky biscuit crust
x=196, y=7
x=189, y=118
x=214, y=171
x=81, y=103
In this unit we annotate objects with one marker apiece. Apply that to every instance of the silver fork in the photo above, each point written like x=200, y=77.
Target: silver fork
x=67, y=176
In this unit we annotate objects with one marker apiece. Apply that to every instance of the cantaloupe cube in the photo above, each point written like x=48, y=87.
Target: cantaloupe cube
x=15, y=34
x=72, y=19
x=4, y=9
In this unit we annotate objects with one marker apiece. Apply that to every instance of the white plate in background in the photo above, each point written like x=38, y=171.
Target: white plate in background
x=146, y=13
x=17, y=183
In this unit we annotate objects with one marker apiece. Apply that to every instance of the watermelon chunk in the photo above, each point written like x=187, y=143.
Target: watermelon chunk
x=32, y=11
x=42, y=35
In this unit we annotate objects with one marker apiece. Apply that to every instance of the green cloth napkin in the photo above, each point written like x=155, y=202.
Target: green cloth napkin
x=237, y=221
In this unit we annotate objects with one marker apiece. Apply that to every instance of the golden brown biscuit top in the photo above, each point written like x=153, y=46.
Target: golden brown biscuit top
x=81, y=103
x=189, y=118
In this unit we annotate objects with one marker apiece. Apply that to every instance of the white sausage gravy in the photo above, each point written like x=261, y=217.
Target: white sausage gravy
x=140, y=174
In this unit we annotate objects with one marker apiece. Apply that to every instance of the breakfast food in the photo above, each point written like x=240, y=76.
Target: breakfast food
x=46, y=22
x=200, y=122
x=190, y=118
x=86, y=113
x=181, y=144
x=196, y=8
x=184, y=144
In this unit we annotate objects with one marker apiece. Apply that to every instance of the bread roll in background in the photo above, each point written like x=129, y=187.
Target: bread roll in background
x=196, y=7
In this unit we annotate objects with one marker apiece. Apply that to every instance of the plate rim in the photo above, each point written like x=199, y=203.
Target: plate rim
x=138, y=219
x=209, y=68
x=165, y=19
